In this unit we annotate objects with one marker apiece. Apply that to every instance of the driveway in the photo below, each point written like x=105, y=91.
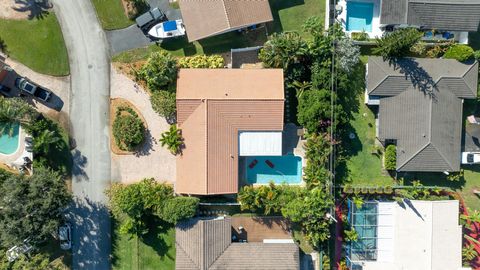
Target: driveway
x=89, y=107
x=132, y=37
x=153, y=160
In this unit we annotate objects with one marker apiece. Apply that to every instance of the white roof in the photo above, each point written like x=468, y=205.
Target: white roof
x=260, y=143
x=426, y=236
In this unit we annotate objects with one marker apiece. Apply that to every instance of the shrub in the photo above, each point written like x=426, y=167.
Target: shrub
x=390, y=157
x=348, y=189
x=388, y=190
x=178, y=209
x=172, y=139
x=313, y=107
x=350, y=235
x=159, y=71
x=360, y=36
x=128, y=129
x=476, y=55
x=348, y=54
x=202, y=61
x=380, y=190
x=397, y=43
x=460, y=52
x=372, y=190
x=164, y=103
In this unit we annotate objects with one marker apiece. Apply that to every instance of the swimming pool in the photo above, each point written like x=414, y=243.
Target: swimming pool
x=9, y=144
x=286, y=169
x=359, y=16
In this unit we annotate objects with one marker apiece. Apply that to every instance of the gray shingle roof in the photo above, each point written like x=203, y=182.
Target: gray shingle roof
x=458, y=15
x=205, y=244
x=423, y=116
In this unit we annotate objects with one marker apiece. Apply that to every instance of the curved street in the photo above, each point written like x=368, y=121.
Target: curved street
x=89, y=107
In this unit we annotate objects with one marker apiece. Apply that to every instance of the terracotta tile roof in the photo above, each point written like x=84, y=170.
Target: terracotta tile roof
x=210, y=122
x=204, y=18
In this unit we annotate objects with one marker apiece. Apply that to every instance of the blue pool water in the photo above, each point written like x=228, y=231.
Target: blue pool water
x=9, y=144
x=359, y=16
x=286, y=170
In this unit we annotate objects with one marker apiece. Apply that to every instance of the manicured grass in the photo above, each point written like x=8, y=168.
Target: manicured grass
x=363, y=167
x=290, y=15
x=287, y=15
x=37, y=43
x=111, y=14
x=156, y=250
x=181, y=47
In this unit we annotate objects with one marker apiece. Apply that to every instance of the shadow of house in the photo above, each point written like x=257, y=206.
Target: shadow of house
x=37, y=9
x=276, y=6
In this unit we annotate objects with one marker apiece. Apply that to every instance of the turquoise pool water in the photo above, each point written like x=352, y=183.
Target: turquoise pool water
x=286, y=170
x=9, y=144
x=359, y=16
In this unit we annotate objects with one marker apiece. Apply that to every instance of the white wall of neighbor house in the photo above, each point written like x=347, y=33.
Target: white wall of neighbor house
x=253, y=143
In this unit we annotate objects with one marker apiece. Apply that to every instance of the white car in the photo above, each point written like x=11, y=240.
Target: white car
x=65, y=236
x=470, y=157
x=14, y=252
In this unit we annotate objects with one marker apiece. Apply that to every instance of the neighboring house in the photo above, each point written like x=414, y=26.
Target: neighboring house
x=414, y=235
x=213, y=17
x=225, y=114
x=206, y=244
x=420, y=109
x=375, y=16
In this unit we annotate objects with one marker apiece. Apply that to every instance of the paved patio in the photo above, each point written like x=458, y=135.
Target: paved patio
x=153, y=160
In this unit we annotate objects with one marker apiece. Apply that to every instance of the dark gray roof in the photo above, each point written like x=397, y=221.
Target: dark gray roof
x=424, y=116
x=206, y=245
x=457, y=15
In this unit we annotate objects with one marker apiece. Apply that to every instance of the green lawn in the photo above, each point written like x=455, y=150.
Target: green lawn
x=111, y=14
x=156, y=250
x=287, y=15
x=37, y=43
x=290, y=15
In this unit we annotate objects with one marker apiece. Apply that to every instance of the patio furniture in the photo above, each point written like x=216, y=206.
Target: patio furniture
x=269, y=163
x=253, y=163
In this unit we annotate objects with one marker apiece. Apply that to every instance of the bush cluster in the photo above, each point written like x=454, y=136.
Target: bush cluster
x=159, y=71
x=135, y=204
x=201, y=61
x=391, y=157
x=460, y=52
x=128, y=129
x=164, y=103
x=360, y=36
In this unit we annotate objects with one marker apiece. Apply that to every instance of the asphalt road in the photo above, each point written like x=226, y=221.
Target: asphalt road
x=89, y=108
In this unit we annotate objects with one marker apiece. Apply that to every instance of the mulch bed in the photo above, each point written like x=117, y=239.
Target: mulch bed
x=114, y=104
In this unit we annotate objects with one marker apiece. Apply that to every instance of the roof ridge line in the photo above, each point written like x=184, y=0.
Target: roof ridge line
x=414, y=155
x=441, y=154
x=226, y=13
x=206, y=144
x=465, y=73
x=188, y=256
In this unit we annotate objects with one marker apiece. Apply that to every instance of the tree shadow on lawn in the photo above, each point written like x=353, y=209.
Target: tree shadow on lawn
x=433, y=179
x=276, y=6
x=37, y=9
x=180, y=43
x=157, y=237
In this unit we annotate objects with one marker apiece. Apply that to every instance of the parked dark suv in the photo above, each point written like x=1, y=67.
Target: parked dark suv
x=149, y=18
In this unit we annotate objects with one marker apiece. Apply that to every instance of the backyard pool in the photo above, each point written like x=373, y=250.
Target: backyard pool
x=359, y=16
x=278, y=169
x=9, y=144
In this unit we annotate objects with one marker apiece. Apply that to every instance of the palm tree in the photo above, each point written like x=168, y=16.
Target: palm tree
x=301, y=87
x=14, y=111
x=44, y=140
x=469, y=253
x=172, y=139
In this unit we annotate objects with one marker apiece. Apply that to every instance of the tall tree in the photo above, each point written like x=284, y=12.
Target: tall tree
x=397, y=43
x=32, y=207
x=14, y=111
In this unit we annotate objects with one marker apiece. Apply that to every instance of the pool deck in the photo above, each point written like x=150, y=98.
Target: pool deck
x=256, y=229
x=376, y=31
x=16, y=159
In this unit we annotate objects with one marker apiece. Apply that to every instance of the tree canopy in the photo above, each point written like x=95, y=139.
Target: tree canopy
x=32, y=207
x=159, y=71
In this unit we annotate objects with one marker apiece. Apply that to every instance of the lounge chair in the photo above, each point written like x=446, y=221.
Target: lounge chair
x=253, y=163
x=269, y=163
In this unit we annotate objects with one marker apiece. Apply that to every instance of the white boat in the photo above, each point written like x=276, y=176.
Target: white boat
x=168, y=29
